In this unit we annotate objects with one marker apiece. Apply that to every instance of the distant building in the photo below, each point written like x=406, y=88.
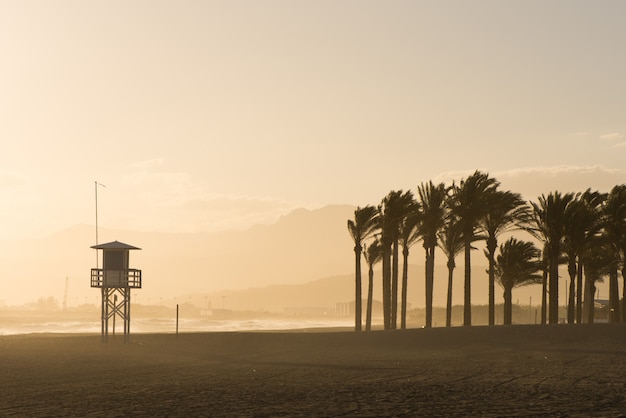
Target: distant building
x=347, y=308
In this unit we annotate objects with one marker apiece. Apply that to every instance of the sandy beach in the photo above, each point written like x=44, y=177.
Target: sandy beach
x=556, y=370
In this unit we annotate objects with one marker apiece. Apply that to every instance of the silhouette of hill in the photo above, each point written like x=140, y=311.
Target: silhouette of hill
x=323, y=294
x=305, y=259
x=300, y=247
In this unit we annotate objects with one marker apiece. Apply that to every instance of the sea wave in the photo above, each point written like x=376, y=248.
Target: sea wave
x=168, y=325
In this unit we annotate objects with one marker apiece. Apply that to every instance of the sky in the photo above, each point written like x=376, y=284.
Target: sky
x=209, y=115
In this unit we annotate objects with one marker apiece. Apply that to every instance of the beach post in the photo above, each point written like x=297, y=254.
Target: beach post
x=114, y=279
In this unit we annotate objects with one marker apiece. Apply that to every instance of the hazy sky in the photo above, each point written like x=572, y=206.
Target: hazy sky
x=204, y=115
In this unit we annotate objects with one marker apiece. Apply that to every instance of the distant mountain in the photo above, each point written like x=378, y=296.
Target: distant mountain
x=324, y=294
x=300, y=247
x=305, y=259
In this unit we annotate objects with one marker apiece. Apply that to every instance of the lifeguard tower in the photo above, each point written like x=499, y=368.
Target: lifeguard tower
x=115, y=279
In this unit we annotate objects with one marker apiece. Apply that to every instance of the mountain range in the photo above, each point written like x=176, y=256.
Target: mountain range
x=304, y=259
x=302, y=246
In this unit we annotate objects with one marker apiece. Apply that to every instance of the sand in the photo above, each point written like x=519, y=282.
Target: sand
x=557, y=370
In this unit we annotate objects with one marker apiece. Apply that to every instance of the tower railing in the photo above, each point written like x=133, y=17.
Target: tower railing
x=130, y=278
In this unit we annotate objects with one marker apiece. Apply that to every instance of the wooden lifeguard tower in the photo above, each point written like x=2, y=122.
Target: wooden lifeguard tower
x=115, y=279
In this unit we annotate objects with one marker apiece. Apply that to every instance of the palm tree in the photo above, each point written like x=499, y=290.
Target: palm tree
x=373, y=254
x=544, y=267
x=432, y=200
x=407, y=208
x=392, y=210
x=451, y=242
x=598, y=261
x=516, y=265
x=593, y=202
x=469, y=204
x=620, y=193
x=581, y=225
x=408, y=236
x=614, y=222
x=507, y=211
x=549, y=221
x=362, y=227
x=387, y=227
x=574, y=238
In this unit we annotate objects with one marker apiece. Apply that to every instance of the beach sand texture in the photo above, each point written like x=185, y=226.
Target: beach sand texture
x=558, y=370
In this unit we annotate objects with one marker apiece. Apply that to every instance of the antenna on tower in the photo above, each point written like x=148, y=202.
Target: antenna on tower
x=96, y=187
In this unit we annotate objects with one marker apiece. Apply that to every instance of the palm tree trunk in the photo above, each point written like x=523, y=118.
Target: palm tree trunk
x=592, y=310
x=449, y=301
x=624, y=293
x=405, y=280
x=357, y=297
x=431, y=278
x=544, y=297
x=614, y=315
x=426, y=270
x=429, y=289
x=386, y=287
x=508, y=306
x=467, y=302
x=588, y=301
x=579, y=293
x=394, y=285
x=491, y=248
x=571, y=300
x=553, y=306
x=370, y=294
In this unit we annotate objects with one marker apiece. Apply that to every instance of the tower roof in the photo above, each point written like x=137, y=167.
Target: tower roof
x=115, y=245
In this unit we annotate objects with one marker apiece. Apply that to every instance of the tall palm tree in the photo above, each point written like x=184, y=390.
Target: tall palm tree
x=433, y=207
x=451, y=242
x=614, y=223
x=363, y=226
x=581, y=225
x=408, y=236
x=516, y=265
x=593, y=202
x=407, y=208
x=392, y=210
x=373, y=254
x=507, y=211
x=598, y=260
x=574, y=237
x=387, y=227
x=620, y=193
x=549, y=223
x=469, y=204
x=544, y=267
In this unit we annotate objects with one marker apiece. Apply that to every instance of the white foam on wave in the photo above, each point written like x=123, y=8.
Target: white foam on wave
x=168, y=325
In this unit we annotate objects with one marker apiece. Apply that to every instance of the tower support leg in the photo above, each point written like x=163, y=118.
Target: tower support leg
x=112, y=307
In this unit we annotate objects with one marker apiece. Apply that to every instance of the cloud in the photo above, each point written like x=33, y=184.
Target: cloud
x=178, y=202
x=220, y=212
x=532, y=182
x=557, y=170
x=449, y=176
x=616, y=137
x=612, y=136
x=155, y=162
